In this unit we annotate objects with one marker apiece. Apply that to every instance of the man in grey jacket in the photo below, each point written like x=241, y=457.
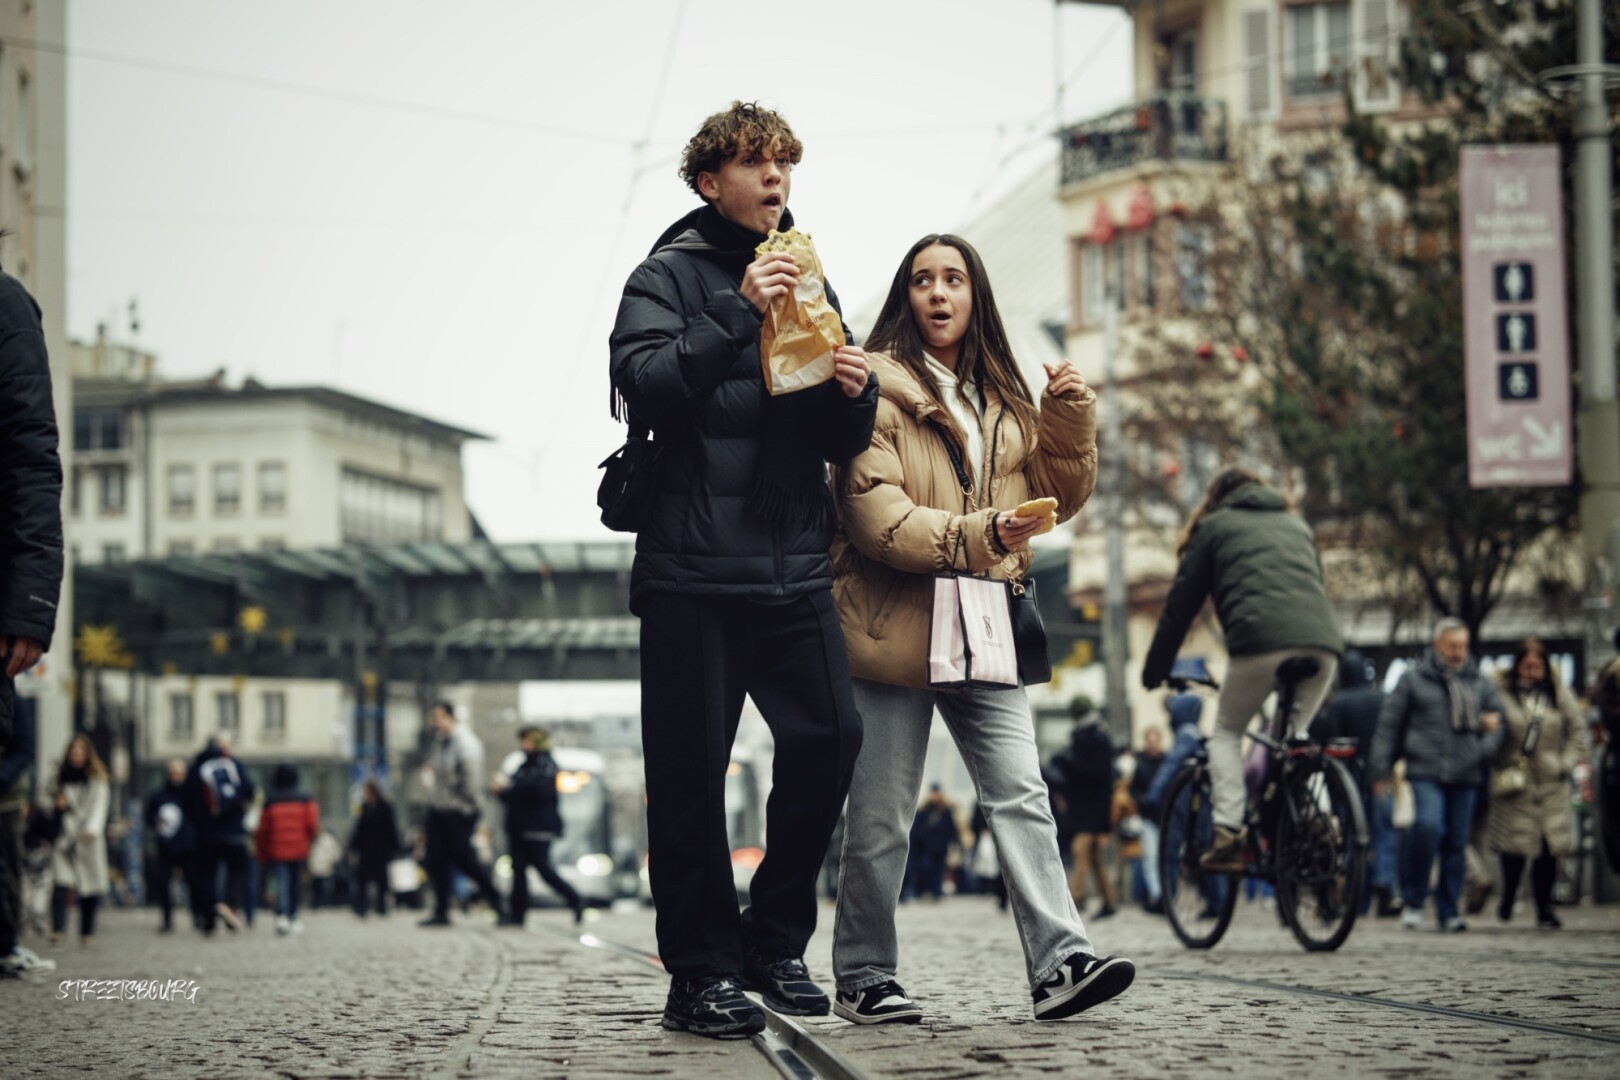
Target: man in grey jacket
x=1445, y=720
x=454, y=771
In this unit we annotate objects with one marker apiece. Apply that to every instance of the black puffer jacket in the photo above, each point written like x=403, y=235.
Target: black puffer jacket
x=30, y=482
x=1352, y=712
x=685, y=358
x=531, y=798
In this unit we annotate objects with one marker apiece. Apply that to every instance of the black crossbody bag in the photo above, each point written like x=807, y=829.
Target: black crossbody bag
x=629, y=475
x=1029, y=632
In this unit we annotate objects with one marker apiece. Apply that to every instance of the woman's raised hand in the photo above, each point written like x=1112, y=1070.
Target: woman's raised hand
x=1014, y=532
x=851, y=369
x=1064, y=380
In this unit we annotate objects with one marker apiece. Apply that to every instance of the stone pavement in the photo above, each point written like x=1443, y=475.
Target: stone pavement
x=383, y=998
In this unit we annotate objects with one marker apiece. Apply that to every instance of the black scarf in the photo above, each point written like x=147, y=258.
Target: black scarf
x=790, y=479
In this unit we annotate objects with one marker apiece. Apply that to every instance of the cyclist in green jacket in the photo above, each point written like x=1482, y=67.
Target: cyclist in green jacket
x=1244, y=548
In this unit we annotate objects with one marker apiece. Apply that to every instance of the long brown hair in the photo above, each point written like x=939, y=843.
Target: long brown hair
x=1548, y=684
x=1219, y=490
x=93, y=767
x=985, y=357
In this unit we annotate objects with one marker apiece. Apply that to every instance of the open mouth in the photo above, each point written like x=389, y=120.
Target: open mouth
x=773, y=201
x=940, y=318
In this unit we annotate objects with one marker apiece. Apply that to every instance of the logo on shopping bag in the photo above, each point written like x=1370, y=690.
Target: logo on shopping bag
x=989, y=630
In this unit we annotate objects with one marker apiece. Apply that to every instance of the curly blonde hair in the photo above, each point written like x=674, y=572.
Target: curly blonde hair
x=744, y=126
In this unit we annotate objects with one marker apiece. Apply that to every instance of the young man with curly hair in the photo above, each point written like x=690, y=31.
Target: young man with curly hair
x=732, y=581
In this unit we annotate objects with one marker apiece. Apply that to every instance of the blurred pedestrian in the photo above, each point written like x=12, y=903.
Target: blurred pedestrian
x=174, y=836
x=1444, y=719
x=220, y=794
x=1127, y=832
x=454, y=777
x=374, y=843
x=731, y=579
x=1088, y=795
x=1246, y=548
x=533, y=822
x=30, y=576
x=1352, y=713
x=984, y=865
x=1543, y=740
x=934, y=835
x=288, y=824
x=1149, y=762
x=325, y=862
x=79, y=861
x=16, y=771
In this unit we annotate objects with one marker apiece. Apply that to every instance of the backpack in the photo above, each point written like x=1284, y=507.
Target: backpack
x=222, y=787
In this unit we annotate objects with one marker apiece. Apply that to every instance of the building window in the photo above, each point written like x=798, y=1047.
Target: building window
x=1142, y=269
x=1318, y=50
x=98, y=429
x=375, y=509
x=112, y=553
x=113, y=478
x=182, y=547
x=181, y=723
x=272, y=543
x=227, y=488
x=227, y=545
x=1093, y=284
x=228, y=710
x=272, y=487
x=77, y=483
x=182, y=489
x=1193, y=245
x=275, y=714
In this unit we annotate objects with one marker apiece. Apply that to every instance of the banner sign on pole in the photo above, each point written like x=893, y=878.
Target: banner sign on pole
x=1515, y=317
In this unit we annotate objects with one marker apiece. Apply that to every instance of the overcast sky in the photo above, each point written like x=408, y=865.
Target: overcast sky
x=436, y=205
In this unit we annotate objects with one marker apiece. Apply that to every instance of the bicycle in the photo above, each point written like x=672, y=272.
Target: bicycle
x=1305, y=832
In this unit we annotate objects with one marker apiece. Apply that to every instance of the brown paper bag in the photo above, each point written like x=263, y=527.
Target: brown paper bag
x=801, y=329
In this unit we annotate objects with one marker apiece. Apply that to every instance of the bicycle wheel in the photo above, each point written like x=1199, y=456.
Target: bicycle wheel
x=1198, y=904
x=1321, y=852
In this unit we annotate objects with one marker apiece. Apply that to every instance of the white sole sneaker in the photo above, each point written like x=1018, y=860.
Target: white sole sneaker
x=896, y=1007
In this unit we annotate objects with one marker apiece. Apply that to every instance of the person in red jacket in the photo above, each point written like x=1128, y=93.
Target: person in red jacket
x=290, y=821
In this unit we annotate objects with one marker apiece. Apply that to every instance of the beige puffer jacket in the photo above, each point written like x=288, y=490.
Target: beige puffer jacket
x=1517, y=823
x=903, y=517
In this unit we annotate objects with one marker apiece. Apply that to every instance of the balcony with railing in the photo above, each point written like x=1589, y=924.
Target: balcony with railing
x=1166, y=127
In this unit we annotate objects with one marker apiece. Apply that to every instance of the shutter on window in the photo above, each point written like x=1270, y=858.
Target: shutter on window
x=1260, y=63
x=1377, y=38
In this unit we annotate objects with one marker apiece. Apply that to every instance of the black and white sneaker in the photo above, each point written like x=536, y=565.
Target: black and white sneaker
x=884, y=1003
x=712, y=1006
x=1080, y=982
x=785, y=985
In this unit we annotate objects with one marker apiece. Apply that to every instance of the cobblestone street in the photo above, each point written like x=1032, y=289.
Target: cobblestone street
x=385, y=998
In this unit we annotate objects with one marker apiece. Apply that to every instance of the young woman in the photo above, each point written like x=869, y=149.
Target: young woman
x=949, y=387
x=1245, y=547
x=1535, y=824
x=79, y=860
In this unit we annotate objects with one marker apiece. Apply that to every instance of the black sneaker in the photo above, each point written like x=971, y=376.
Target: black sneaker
x=713, y=1006
x=884, y=1003
x=1080, y=982
x=434, y=920
x=785, y=985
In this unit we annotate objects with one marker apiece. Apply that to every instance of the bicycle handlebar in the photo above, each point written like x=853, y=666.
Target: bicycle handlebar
x=1182, y=683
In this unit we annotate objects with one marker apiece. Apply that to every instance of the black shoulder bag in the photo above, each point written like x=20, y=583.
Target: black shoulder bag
x=625, y=494
x=1029, y=632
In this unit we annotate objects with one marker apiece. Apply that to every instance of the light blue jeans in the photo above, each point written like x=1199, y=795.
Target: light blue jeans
x=995, y=732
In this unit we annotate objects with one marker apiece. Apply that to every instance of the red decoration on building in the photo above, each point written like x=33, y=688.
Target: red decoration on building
x=1102, y=225
x=1204, y=350
x=1178, y=209
x=1139, y=214
x=1239, y=353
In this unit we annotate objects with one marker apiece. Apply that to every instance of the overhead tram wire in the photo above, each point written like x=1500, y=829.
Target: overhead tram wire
x=610, y=258
x=285, y=86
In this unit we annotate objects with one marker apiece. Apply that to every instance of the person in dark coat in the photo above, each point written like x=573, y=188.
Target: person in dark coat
x=1149, y=760
x=175, y=836
x=30, y=494
x=1245, y=549
x=16, y=769
x=1088, y=772
x=533, y=821
x=1352, y=713
x=1444, y=719
x=732, y=580
x=934, y=833
x=219, y=793
x=374, y=843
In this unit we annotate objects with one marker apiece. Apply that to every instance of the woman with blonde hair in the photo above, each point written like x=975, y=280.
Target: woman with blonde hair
x=1530, y=819
x=79, y=859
